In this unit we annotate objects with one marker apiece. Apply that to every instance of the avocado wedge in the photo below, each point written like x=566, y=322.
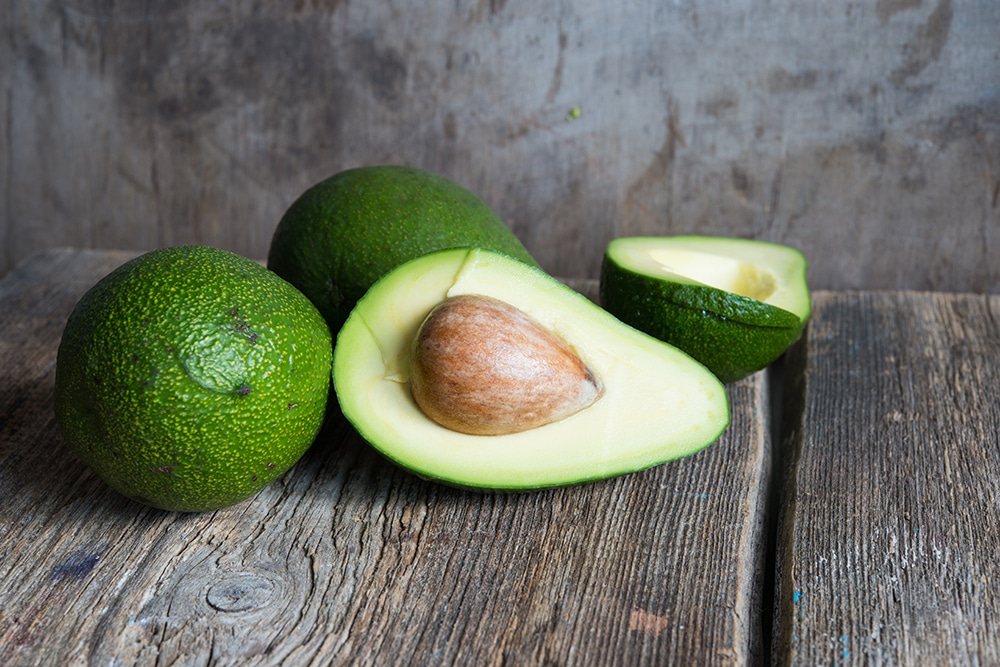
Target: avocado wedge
x=733, y=304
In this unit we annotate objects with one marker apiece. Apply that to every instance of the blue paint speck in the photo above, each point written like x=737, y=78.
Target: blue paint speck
x=796, y=596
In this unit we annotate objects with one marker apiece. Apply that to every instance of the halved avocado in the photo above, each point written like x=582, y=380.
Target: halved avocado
x=658, y=404
x=734, y=304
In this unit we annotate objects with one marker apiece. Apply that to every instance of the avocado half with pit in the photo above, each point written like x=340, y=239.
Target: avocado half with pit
x=734, y=304
x=653, y=402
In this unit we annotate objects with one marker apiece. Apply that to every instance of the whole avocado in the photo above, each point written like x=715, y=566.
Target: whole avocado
x=344, y=233
x=190, y=378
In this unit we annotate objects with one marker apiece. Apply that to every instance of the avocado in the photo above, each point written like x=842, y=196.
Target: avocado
x=733, y=304
x=190, y=378
x=648, y=402
x=347, y=231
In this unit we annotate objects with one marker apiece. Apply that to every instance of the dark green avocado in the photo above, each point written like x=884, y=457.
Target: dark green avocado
x=733, y=304
x=346, y=232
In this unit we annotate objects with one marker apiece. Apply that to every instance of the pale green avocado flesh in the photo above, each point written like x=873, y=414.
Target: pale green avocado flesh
x=734, y=304
x=659, y=404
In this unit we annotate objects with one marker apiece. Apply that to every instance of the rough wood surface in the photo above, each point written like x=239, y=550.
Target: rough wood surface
x=855, y=131
x=888, y=552
x=347, y=559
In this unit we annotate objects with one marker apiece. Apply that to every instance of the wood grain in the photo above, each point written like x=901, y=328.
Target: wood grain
x=888, y=552
x=348, y=559
x=855, y=132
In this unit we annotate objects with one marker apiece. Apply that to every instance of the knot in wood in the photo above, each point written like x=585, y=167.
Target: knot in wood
x=243, y=591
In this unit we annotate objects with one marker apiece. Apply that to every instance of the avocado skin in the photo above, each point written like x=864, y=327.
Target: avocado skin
x=734, y=336
x=344, y=233
x=190, y=378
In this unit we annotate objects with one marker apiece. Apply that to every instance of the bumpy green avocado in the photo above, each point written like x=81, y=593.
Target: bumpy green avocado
x=189, y=378
x=635, y=402
x=346, y=232
x=733, y=304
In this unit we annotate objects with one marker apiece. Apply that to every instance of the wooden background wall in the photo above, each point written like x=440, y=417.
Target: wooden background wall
x=865, y=133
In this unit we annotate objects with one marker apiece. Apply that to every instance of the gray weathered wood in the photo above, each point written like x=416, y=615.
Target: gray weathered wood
x=865, y=133
x=349, y=559
x=888, y=552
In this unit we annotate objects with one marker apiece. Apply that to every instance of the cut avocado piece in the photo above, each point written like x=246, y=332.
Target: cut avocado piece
x=734, y=304
x=656, y=402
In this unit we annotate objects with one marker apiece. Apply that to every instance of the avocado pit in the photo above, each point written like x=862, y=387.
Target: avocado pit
x=480, y=366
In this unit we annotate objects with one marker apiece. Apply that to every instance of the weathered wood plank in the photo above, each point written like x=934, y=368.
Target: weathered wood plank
x=854, y=131
x=349, y=559
x=888, y=552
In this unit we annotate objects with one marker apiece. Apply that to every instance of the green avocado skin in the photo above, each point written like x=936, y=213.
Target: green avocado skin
x=190, y=378
x=721, y=330
x=344, y=233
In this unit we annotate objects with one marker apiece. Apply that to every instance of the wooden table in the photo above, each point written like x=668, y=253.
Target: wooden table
x=848, y=514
